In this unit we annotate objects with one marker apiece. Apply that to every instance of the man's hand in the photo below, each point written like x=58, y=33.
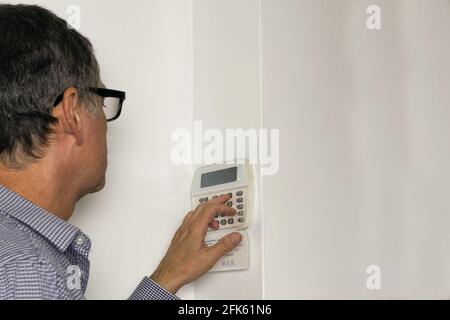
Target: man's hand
x=188, y=256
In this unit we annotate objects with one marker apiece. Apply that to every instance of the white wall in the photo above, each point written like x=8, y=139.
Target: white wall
x=227, y=96
x=365, y=154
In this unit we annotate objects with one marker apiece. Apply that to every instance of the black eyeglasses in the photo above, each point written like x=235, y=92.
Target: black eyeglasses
x=112, y=101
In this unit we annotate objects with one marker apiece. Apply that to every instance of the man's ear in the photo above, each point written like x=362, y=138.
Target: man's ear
x=69, y=115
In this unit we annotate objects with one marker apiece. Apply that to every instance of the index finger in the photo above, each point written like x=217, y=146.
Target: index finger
x=208, y=212
x=220, y=199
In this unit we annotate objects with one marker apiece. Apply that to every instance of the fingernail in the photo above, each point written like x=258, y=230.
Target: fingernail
x=236, y=238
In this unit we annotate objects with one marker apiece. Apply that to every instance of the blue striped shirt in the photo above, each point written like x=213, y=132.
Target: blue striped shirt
x=45, y=257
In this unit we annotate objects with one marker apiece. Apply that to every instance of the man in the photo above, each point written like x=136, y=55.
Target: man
x=53, y=121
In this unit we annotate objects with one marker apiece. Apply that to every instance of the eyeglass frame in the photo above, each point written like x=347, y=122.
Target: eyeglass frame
x=104, y=93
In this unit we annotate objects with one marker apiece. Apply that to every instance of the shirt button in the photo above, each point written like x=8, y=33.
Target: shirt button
x=79, y=240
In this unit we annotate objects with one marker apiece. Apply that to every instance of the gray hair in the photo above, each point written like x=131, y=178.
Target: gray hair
x=40, y=57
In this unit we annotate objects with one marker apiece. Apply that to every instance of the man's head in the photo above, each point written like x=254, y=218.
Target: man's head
x=40, y=59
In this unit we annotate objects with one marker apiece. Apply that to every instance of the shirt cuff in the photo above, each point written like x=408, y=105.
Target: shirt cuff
x=150, y=290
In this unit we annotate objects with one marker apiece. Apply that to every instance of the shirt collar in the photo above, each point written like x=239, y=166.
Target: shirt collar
x=57, y=231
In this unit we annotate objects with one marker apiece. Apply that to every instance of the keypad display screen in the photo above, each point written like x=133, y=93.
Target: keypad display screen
x=218, y=177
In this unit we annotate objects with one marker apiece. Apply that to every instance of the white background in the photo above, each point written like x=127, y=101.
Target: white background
x=364, y=179
x=363, y=115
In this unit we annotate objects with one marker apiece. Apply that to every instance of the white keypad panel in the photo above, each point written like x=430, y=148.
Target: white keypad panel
x=237, y=201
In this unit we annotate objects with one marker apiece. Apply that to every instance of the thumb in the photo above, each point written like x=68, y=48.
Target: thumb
x=225, y=245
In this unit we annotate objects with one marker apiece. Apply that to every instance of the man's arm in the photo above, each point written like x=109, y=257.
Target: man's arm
x=188, y=257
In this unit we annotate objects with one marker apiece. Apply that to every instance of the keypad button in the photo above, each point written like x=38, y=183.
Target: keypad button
x=230, y=203
x=240, y=213
x=240, y=207
x=200, y=200
x=222, y=215
x=230, y=195
x=216, y=216
x=214, y=197
x=239, y=193
x=241, y=220
x=239, y=200
x=230, y=221
x=206, y=199
x=223, y=222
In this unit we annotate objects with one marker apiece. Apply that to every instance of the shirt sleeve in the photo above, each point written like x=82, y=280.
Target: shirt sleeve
x=150, y=290
x=28, y=279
